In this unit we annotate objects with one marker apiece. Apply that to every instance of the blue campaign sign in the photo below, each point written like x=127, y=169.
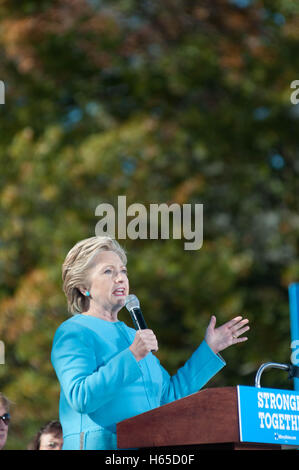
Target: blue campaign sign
x=268, y=415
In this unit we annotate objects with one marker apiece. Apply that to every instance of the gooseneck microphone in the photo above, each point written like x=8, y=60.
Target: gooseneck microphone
x=133, y=306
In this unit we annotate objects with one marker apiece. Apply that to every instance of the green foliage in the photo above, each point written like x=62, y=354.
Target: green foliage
x=162, y=102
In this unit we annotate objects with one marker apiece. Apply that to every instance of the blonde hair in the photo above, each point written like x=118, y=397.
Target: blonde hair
x=77, y=264
x=4, y=401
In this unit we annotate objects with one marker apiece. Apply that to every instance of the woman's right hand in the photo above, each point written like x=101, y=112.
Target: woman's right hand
x=144, y=342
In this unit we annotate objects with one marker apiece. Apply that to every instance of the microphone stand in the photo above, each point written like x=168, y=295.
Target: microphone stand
x=293, y=371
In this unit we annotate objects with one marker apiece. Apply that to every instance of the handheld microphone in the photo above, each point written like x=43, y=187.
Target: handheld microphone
x=133, y=306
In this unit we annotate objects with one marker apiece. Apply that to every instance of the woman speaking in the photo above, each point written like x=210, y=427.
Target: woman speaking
x=106, y=370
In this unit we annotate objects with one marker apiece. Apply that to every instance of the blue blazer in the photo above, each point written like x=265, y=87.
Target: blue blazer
x=102, y=383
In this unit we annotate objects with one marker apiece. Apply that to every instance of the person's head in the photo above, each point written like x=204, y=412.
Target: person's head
x=92, y=271
x=49, y=437
x=4, y=419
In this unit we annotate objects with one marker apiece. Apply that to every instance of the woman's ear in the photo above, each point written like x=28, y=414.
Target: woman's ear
x=85, y=292
x=82, y=290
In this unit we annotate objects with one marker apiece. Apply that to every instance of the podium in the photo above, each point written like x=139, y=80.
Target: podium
x=208, y=419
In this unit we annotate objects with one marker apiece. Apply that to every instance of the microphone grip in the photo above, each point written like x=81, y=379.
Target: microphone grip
x=138, y=319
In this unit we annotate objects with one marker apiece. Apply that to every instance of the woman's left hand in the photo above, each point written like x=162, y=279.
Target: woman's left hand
x=226, y=335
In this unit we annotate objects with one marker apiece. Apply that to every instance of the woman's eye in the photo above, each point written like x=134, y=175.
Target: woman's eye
x=109, y=271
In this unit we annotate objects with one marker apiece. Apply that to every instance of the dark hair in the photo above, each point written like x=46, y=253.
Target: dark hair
x=53, y=427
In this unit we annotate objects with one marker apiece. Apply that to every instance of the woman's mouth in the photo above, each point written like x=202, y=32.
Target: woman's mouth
x=120, y=291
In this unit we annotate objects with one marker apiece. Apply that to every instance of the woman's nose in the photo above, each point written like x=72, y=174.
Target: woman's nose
x=120, y=276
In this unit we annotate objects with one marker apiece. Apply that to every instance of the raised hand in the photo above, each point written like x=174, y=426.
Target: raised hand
x=229, y=333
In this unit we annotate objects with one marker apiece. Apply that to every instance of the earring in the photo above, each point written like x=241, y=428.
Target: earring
x=87, y=293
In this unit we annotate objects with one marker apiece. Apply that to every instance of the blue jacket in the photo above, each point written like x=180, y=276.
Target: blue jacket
x=102, y=383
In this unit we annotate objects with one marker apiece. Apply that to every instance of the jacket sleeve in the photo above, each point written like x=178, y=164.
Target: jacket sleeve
x=196, y=372
x=86, y=386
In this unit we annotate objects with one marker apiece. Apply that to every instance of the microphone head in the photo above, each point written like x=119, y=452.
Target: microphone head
x=132, y=302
